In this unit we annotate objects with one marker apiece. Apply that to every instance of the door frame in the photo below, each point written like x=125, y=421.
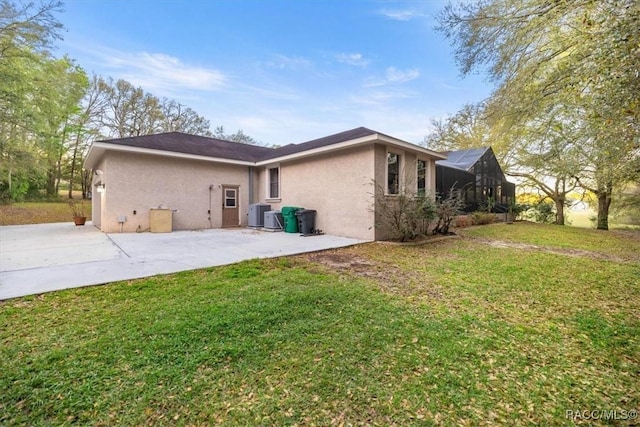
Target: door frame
x=236, y=189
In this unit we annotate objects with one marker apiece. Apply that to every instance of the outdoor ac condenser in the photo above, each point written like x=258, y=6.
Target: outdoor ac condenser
x=256, y=214
x=273, y=220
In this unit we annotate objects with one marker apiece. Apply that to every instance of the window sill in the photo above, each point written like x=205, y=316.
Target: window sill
x=273, y=200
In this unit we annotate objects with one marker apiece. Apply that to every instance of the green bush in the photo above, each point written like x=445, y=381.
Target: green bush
x=544, y=213
x=447, y=209
x=482, y=218
x=404, y=216
x=516, y=210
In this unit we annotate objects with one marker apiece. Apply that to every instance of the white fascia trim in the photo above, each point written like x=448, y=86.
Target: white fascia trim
x=410, y=147
x=138, y=150
x=100, y=147
x=88, y=159
x=353, y=143
x=320, y=150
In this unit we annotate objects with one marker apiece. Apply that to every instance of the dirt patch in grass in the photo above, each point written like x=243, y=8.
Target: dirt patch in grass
x=388, y=277
x=576, y=253
x=627, y=234
x=420, y=240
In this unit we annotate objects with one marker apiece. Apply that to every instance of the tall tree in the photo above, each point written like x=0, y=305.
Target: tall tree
x=545, y=158
x=180, y=118
x=61, y=88
x=27, y=31
x=27, y=28
x=130, y=111
x=471, y=127
x=238, y=136
x=85, y=126
x=580, y=54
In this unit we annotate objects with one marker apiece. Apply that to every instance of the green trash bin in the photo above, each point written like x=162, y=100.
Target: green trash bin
x=290, y=219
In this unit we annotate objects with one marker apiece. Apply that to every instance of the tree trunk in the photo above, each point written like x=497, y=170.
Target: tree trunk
x=51, y=181
x=86, y=183
x=73, y=168
x=559, y=210
x=604, y=201
x=58, y=173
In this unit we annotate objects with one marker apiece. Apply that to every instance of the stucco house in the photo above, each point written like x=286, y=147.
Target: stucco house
x=210, y=183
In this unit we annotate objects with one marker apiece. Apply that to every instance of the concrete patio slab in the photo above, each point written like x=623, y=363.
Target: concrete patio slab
x=47, y=257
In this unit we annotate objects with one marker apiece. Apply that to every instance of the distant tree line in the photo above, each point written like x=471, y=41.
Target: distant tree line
x=51, y=110
x=565, y=114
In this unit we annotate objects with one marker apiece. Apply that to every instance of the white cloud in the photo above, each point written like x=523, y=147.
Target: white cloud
x=355, y=59
x=282, y=62
x=393, y=75
x=398, y=76
x=401, y=15
x=157, y=71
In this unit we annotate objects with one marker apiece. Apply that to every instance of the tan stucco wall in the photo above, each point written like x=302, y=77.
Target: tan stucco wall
x=337, y=185
x=140, y=182
x=340, y=186
x=408, y=167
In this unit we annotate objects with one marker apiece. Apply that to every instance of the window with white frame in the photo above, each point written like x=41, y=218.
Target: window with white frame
x=393, y=173
x=230, y=198
x=421, y=175
x=274, y=183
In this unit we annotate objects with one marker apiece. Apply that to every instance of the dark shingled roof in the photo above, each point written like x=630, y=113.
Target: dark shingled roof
x=320, y=142
x=178, y=142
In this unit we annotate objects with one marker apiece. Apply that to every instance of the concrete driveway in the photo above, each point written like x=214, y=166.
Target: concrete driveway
x=48, y=257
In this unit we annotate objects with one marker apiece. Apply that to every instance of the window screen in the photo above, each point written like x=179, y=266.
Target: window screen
x=393, y=173
x=274, y=183
x=422, y=177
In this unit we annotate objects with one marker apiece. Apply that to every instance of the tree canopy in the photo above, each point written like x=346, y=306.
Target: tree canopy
x=566, y=76
x=50, y=110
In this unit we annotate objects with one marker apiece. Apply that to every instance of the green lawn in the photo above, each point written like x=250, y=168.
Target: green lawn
x=458, y=332
x=622, y=243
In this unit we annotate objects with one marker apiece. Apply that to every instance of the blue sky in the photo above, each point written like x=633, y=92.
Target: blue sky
x=283, y=71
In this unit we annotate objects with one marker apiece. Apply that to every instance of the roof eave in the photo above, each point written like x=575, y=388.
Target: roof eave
x=409, y=146
x=97, y=149
x=320, y=150
x=375, y=137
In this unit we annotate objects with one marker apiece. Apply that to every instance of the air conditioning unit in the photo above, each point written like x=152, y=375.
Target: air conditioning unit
x=273, y=220
x=256, y=214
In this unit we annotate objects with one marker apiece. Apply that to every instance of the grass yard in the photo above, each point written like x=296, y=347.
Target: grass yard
x=38, y=212
x=614, y=244
x=509, y=325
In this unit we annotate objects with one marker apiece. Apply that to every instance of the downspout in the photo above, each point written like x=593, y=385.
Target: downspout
x=209, y=211
x=250, y=184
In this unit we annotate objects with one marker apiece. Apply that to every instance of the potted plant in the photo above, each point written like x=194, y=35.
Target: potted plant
x=77, y=211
